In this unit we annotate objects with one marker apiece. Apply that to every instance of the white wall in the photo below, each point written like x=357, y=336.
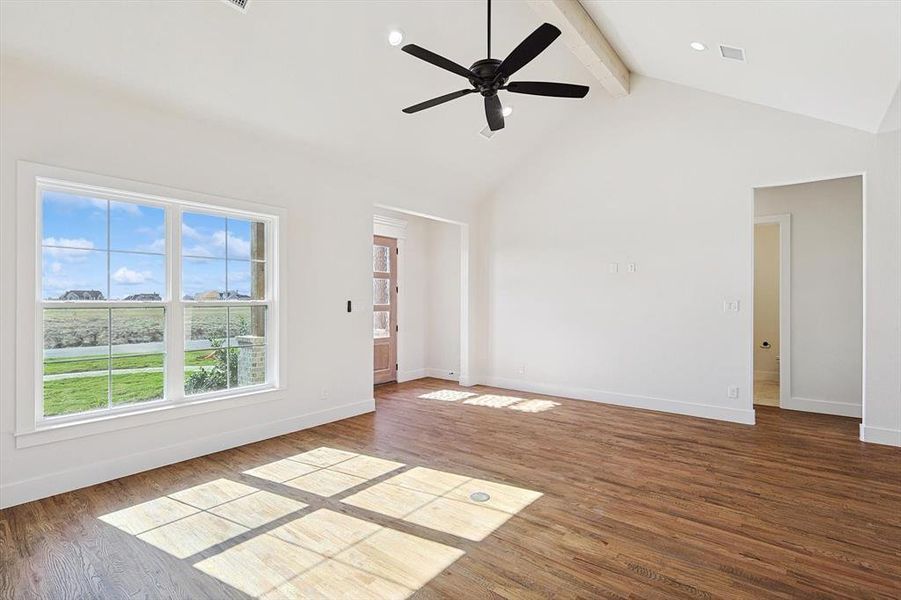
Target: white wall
x=429, y=299
x=826, y=291
x=48, y=118
x=766, y=301
x=882, y=381
x=663, y=178
x=444, y=299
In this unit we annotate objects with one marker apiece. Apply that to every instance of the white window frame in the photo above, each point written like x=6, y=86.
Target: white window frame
x=32, y=427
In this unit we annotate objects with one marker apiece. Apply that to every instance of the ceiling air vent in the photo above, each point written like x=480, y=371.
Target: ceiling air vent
x=239, y=4
x=732, y=53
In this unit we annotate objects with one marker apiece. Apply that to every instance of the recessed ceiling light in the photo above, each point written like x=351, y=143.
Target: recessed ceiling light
x=698, y=46
x=395, y=37
x=507, y=111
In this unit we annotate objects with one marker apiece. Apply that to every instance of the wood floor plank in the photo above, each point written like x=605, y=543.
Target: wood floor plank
x=634, y=504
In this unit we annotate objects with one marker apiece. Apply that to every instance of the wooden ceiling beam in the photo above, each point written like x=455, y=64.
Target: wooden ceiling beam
x=583, y=37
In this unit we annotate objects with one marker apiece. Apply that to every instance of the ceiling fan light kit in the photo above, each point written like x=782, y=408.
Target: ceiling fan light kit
x=490, y=75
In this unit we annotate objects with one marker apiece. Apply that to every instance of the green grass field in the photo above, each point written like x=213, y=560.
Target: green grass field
x=79, y=394
x=87, y=327
x=58, y=366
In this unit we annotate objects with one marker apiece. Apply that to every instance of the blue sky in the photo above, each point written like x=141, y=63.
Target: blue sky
x=76, y=245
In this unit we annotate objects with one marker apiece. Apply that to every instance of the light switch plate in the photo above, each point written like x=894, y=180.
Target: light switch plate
x=613, y=268
x=731, y=305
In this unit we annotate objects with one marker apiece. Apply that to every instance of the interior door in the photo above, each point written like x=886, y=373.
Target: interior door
x=384, y=308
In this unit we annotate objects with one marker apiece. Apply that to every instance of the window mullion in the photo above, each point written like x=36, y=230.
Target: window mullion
x=175, y=348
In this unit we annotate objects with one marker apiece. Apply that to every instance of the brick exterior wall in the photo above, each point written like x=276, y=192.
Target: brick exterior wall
x=251, y=360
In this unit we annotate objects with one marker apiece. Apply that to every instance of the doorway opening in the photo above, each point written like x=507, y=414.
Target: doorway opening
x=420, y=297
x=808, y=296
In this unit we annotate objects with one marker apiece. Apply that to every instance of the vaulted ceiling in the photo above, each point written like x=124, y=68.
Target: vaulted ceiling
x=839, y=61
x=322, y=73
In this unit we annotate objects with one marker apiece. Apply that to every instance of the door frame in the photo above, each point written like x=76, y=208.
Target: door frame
x=785, y=348
x=390, y=227
x=864, y=283
x=392, y=244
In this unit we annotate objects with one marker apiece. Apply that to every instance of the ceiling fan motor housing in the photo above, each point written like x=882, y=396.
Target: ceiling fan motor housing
x=485, y=71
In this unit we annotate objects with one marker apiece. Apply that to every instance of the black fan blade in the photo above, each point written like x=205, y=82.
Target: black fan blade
x=547, y=88
x=528, y=49
x=438, y=61
x=495, y=112
x=436, y=101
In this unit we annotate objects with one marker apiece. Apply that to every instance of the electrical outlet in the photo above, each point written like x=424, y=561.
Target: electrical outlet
x=733, y=391
x=323, y=394
x=632, y=268
x=521, y=370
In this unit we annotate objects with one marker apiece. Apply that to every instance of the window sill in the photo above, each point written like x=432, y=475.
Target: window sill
x=49, y=432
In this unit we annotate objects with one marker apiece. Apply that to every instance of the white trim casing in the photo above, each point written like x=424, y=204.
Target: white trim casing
x=679, y=407
x=785, y=286
x=389, y=227
x=31, y=428
x=880, y=435
x=825, y=407
x=18, y=492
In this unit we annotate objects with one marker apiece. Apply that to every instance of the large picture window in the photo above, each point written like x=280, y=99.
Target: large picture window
x=145, y=300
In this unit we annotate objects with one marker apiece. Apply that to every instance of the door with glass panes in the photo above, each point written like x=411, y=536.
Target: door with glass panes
x=384, y=308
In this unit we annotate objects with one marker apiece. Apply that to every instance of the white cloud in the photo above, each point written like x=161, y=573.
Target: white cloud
x=157, y=245
x=126, y=276
x=189, y=232
x=126, y=207
x=56, y=268
x=237, y=247
x=198, y=250
x=73, y=249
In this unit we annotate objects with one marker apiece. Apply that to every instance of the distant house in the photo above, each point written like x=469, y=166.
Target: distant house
x=82, y=295
x=144, y=297
x=214, y=295
x=233, y=296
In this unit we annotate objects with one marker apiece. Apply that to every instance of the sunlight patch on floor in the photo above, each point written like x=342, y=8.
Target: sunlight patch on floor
x=534, y=406
x=331, y=555
x=148, y=515
x=447, y=395
x=246, y=537
x=441, y=501
x=281, y=470
x=493, y=401
x=193, y=534
x=324, y=471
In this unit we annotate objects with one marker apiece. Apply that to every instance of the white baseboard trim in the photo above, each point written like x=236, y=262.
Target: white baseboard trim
x=403, y=376
x=772, y=376
x=744, y=416
x=880, y=435
x=442, y=374
x=826, y=407
x=18, y=492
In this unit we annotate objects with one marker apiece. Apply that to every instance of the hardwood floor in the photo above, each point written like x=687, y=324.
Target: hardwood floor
x=633, y=504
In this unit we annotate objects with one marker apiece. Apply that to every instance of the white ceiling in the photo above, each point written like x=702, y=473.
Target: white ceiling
x=321, y=72
x=839, y=61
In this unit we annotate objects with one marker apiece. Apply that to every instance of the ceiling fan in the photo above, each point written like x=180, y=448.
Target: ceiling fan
x=489, y=75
